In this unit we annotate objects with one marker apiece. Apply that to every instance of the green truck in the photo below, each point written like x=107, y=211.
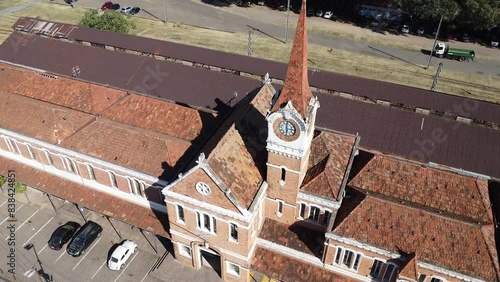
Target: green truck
x=444, y=50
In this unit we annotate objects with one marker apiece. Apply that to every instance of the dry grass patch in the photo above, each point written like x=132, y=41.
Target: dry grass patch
x=476, y=86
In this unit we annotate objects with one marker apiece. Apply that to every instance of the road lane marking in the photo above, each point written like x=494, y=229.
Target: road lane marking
x=98, y=269
x=38, y=231
x=123, y=270
x=150, y=269
x=42, y=248
x=24, y=223
x=8, y=217
x=86, y=253
x=3, y=203
x=60, y=255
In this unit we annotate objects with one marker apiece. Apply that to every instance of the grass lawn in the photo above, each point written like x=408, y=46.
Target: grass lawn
x=264, y=47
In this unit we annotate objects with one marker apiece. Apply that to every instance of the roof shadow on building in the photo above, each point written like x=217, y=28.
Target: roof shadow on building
x=494, y=194
x=351, y=200
x=360, y=161
x=313, y=239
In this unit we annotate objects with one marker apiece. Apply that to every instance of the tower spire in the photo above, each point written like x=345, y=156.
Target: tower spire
x=296, y=88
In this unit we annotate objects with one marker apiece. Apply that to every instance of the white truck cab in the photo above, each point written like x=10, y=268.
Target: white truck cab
x=440, y=49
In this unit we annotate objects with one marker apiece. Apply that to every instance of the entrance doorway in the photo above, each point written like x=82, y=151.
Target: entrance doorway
x=211, y=259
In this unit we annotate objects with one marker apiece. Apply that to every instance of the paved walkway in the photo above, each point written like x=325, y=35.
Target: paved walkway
x=18, y=7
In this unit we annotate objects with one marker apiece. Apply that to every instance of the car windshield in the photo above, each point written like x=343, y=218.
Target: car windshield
x=113, y=259
x=78, y=241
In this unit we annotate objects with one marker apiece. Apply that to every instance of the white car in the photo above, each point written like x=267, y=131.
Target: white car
x=328, y=15
x=405, y=29
x=121, y=254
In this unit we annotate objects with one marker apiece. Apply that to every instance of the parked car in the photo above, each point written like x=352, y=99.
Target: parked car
x=465, y=37
x=261, y=2
x=107, y=5
x=420, y=30
x=115, y=6
x=130, y=10
x=494, y=41
x=405, y=28
x=310, y=12
x=121, y=254
x=319, y=13
x=62, y=235
x=84, y=238
x=375, y=23
x=328, y=15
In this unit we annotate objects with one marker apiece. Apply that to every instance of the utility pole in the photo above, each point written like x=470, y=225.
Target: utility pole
x=434, y=45
x=436, y=77
x=249, y=43
x=165, y=7
x=287, y=18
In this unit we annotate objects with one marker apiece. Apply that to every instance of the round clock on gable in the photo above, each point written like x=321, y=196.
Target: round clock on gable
x=287, y=128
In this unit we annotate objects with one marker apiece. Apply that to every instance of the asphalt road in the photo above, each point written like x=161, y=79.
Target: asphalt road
x=271, y=23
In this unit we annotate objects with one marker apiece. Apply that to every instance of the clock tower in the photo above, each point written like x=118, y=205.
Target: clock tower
x=290, y=130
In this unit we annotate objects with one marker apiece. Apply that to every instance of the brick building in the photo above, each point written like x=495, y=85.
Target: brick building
x=257, y=188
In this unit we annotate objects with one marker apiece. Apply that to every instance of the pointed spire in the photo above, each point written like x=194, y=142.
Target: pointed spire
x=296, y=88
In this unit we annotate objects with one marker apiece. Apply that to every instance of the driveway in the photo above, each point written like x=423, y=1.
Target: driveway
x=272, y=23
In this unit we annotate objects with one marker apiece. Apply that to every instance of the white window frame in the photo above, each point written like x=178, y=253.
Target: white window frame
x=31, y=151
x=343, y=251
x=311, y=208
x=437, y=277
x=182, y=250
x=179, y=219
x=393, y=272
x=200, y=222
x=302, y=210
x=12, y=144
x=232, y=271
x=90, y=170
x=112, y=179
x=231, y=238
x=136, y=187
x=279, y=209
x=323, y=217
x=382, y=263
x=50, y=161
x=69, y=165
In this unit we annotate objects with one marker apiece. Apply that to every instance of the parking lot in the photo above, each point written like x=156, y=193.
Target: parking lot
x=36, y=219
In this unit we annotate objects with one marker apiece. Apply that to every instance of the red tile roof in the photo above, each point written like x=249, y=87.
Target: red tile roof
x=239, y=155
x=78, y=115
x=77, y=95
x=296, y=88
x=284, y=268
x=40, y=120
x=295, y=236
x=100, y=202
x=160, y=116
x=395, y=227
x=409, y=268
x=328, y=161
x=456, y=195
x=130, y=147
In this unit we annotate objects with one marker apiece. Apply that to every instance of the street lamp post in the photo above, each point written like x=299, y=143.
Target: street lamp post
x=287, y=18
x=434, y=45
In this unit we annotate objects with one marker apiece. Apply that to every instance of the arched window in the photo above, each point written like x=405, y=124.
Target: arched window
x=283, y=174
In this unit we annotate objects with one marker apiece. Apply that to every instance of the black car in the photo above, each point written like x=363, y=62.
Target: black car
x=84, y=238
x=62, y=235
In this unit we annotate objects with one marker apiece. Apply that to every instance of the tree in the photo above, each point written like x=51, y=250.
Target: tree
x=480, y=14
x=432, y=10
x=107, y=20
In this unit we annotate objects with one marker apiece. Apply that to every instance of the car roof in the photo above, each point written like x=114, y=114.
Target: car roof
x=119, y=252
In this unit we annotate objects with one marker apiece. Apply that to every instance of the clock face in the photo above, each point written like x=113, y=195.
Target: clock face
x=287, y=128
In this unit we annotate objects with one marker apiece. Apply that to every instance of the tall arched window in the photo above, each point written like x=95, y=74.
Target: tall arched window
x=283, y=174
